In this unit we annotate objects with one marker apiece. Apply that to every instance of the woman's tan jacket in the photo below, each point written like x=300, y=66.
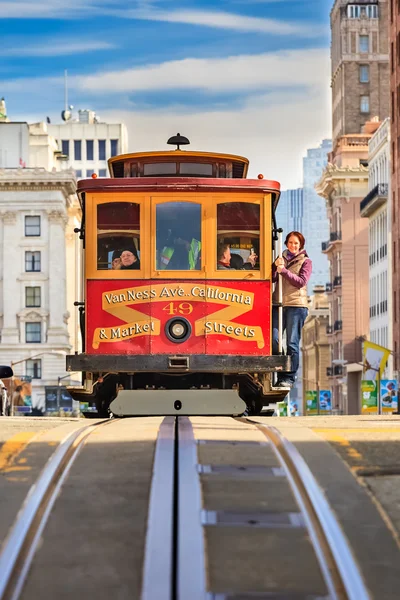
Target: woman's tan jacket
x=292, y=294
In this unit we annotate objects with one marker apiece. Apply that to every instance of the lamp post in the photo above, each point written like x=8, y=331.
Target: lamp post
x=17, y=362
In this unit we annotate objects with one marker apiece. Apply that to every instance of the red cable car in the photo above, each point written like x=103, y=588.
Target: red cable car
x=176, y=317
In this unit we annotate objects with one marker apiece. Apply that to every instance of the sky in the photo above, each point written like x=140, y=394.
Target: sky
x=247, y=77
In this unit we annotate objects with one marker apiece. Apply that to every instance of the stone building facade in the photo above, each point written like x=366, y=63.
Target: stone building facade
x=36, y=208
x=360, y=64
x=394, y=40
x=344, y=184
x=377, y=209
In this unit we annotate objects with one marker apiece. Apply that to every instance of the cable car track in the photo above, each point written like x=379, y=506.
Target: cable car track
x=20, y=546
x=176, y=548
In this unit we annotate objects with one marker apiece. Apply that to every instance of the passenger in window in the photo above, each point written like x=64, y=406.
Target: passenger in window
x=116, y=260
x=129, y=259
x=223, y=257
x=236, y=262
x=180, y=254
x=294, y=268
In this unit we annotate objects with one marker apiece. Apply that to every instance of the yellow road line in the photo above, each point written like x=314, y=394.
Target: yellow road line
x=13, y=447
x=358, y=430
x=332, y=436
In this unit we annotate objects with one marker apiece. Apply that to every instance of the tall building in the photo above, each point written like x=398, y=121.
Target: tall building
x=315, y=222
x=87, y=143
x=377, y=209
x=360, y=70
x=360, y=65
x=394, y=38
x=290, y=212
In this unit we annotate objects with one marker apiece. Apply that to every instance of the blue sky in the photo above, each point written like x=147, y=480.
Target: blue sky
x=244, y=76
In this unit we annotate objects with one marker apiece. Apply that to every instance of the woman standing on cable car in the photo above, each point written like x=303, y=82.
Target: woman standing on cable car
x=295, y=268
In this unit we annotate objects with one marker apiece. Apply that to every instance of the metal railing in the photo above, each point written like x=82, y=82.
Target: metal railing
x=381, y=190
x=337, y=281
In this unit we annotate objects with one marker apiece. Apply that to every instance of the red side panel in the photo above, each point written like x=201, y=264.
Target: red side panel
x=224, y=317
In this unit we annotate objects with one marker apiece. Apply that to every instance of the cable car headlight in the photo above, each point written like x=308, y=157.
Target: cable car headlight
x=178, y=330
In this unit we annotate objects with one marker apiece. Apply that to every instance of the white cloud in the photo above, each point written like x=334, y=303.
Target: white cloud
x=272, y=131
x=225, y=20
x=242, y=73
x=56, y=48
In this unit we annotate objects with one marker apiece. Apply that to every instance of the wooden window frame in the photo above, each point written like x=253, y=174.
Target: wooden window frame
x=209, y=202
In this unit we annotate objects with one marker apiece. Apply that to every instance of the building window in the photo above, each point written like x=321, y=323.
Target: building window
x=77, y=150
x=102, y=172
x=32, y=261
x=32, y=226
x=372, y=11
x=33, y=333
x=34, y=368
x=364, y=43
x=364, y=73
x=353, y=12
x=89, y=172
x=102, y=149
x=65, y=147
x=32, y=297
x=114, y=147
x=364, y=104
x=89, y=150
x=78, y=172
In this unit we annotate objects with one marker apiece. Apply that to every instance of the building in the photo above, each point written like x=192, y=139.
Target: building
x=344, y=184
x=377, y=209
x=87, y=143
x=290, y=212
x=34, y=214
x=360, y=64
x=315, y=226
x=315, y=344
x=360, y=91
x=394, y=39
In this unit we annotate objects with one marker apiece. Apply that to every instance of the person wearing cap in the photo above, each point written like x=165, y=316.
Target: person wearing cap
x=125, y=259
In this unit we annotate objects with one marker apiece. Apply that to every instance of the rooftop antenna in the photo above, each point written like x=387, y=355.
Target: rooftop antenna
x=178, y=140
x=66, y=113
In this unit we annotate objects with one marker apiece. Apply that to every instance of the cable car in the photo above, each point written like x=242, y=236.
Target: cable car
x=176, y=315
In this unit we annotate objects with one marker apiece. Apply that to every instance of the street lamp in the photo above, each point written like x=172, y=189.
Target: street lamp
x=17, y=362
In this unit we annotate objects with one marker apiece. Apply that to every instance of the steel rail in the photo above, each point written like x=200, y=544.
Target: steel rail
x=338, y=565
x=20, y=546
x=159, y=549
x=191, y=568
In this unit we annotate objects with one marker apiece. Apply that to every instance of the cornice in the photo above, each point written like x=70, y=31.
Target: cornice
x=33, y=180
x=333, y=174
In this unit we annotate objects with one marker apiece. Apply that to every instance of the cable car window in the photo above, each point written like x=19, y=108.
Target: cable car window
x=118, y=236
x=238, y=236
x=204, y=169
x=178, y=236
x=164, y=168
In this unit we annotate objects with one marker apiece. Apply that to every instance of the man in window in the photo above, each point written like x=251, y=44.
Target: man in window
x=223, y=257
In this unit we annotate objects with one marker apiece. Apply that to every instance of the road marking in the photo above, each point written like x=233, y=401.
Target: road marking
x=332, y=436
x=13, y=447
x=359, y=430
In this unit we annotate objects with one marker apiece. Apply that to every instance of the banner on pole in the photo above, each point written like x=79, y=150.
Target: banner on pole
x=375, y=358
x=369, y=397
x=389, y=388
x=311, y=402
x=325, y=402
